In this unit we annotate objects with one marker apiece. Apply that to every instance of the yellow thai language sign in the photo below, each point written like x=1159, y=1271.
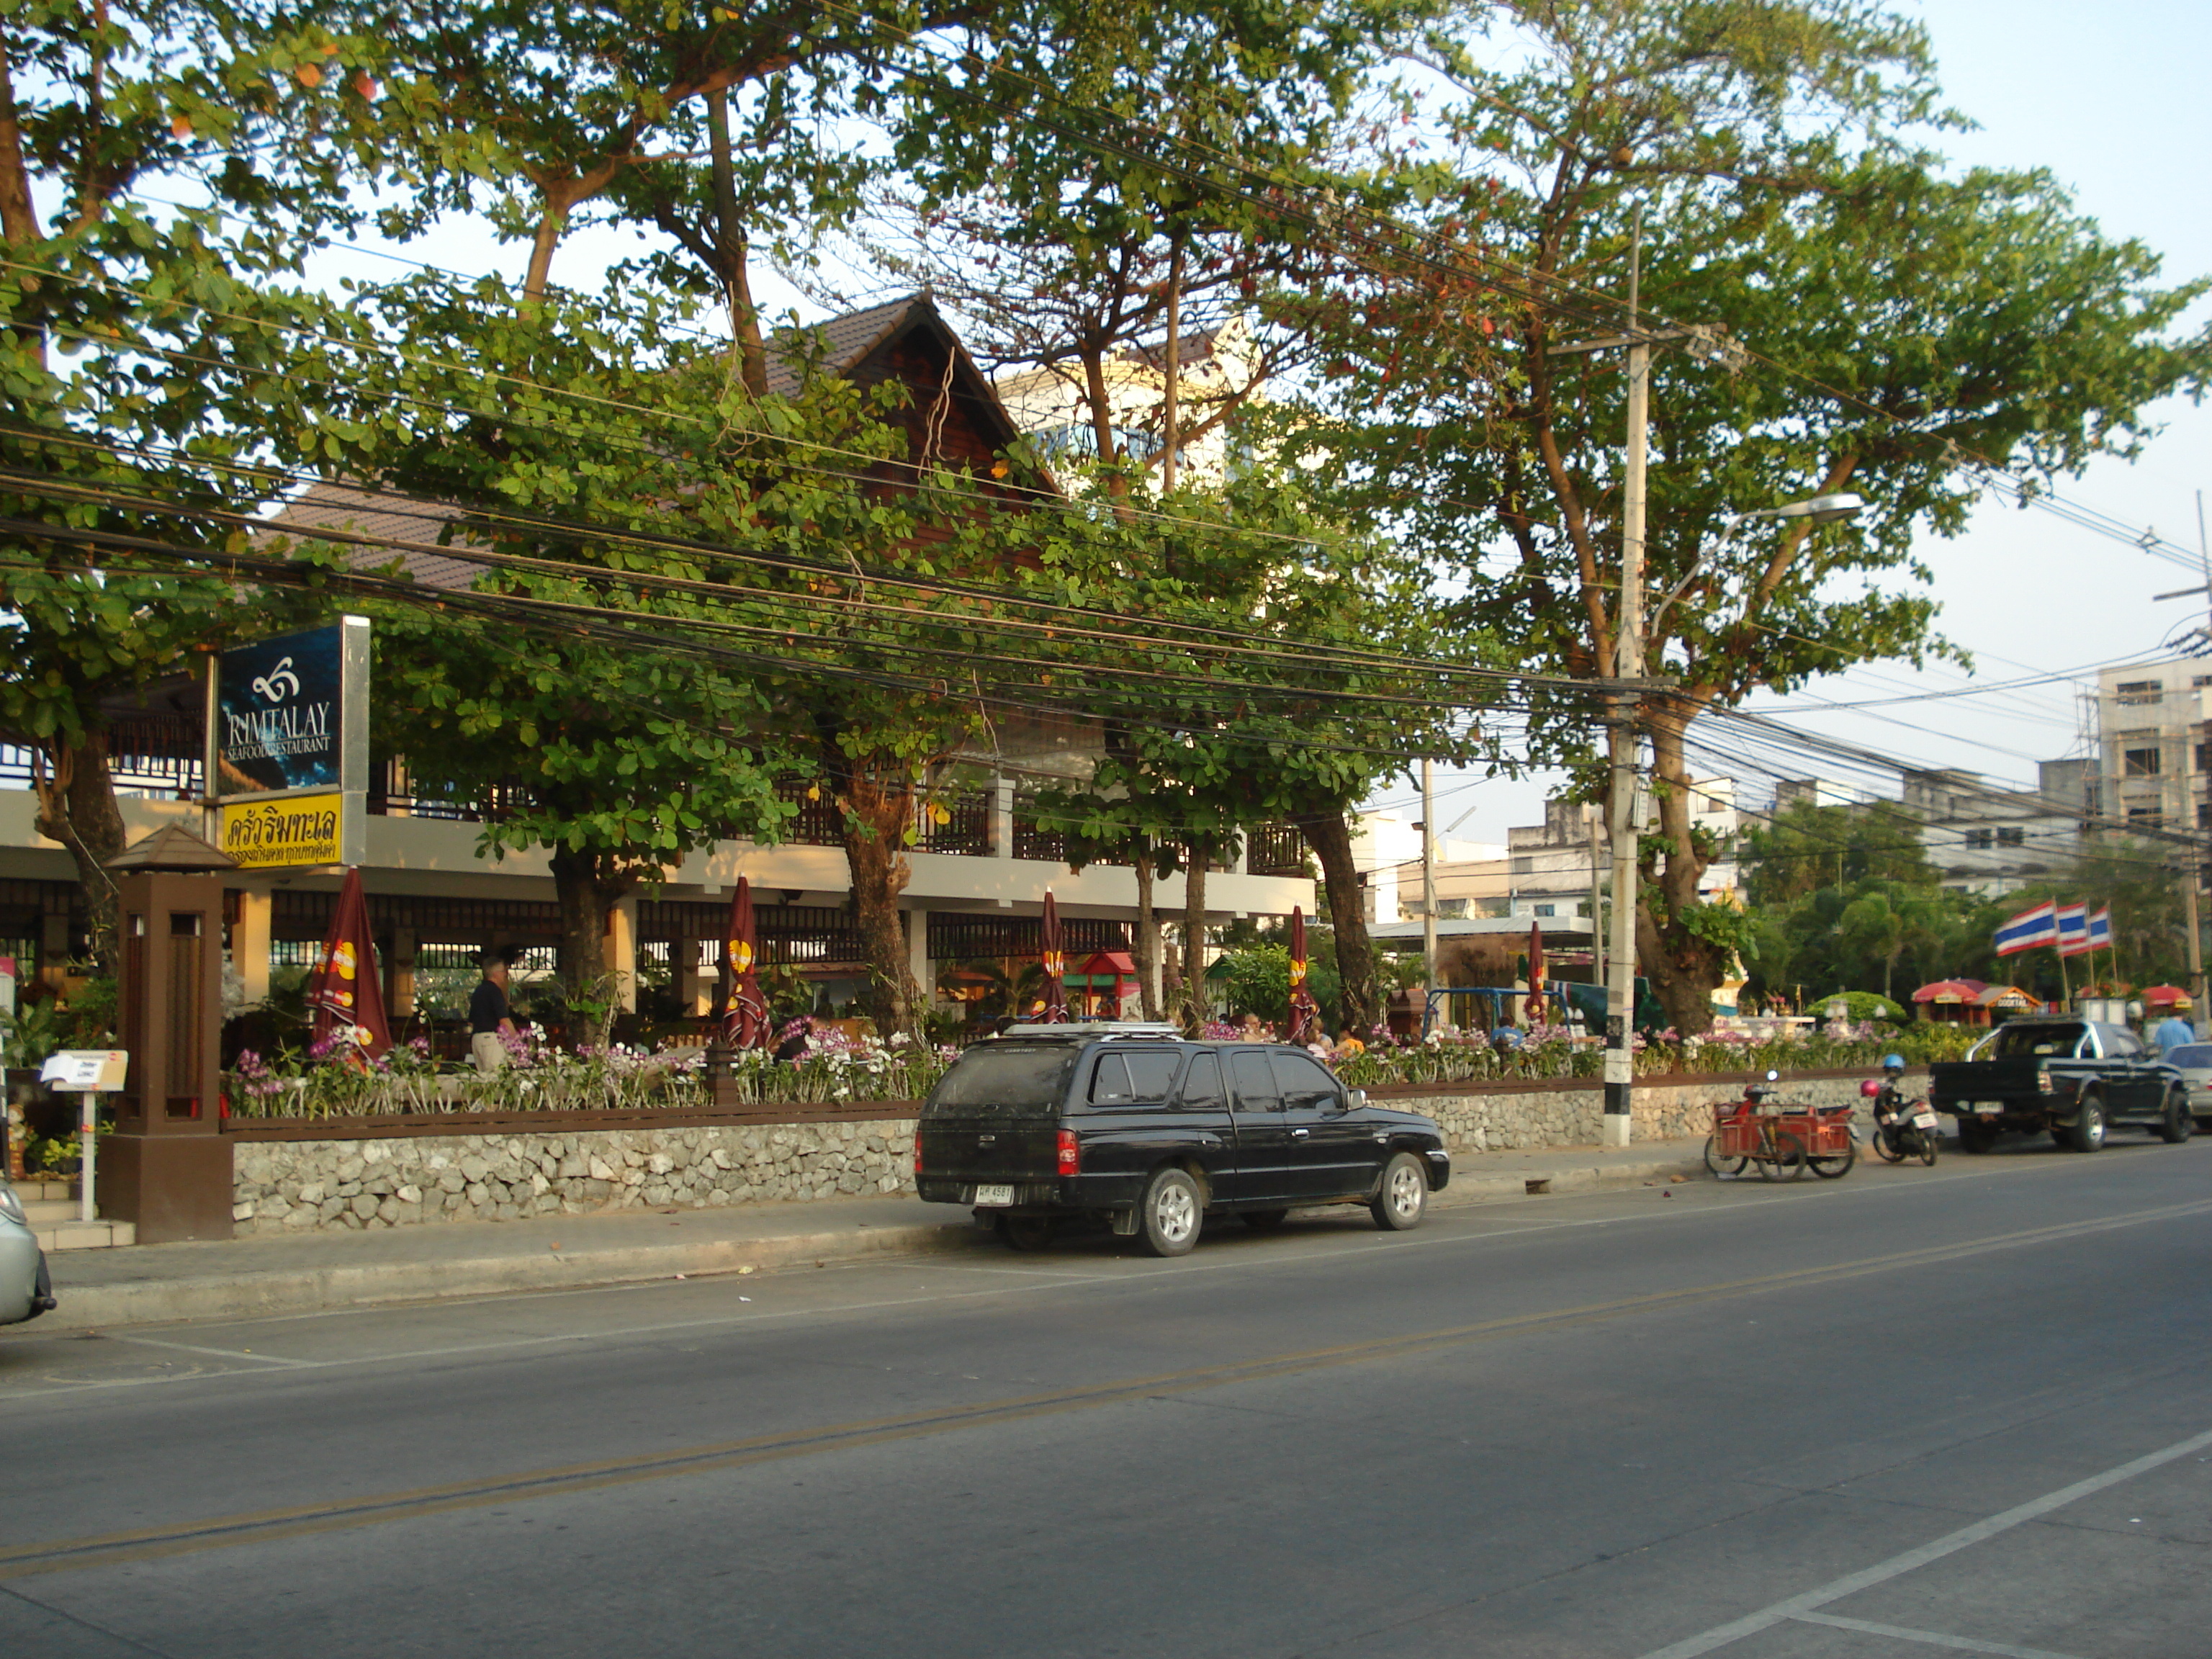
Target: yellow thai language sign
x=270, y=834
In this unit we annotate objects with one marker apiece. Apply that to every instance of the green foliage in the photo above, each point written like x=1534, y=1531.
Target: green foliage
x=1860, y=1006
x=1902, y=316
x=1804, y=848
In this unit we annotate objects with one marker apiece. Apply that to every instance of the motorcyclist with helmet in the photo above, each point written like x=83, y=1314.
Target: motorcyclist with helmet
x=1903, y=1127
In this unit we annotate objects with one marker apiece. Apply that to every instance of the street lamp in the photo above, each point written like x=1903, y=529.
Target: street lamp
x=1821, y=509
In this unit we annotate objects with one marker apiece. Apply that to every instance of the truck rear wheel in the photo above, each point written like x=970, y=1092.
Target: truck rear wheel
x=2177, y=1125
x=2089, y=1125
x=1172, y=1213
x=1975, y=1136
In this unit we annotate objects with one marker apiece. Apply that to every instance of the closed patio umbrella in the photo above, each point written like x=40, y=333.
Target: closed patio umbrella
x=1534, y=1013
x=344, y=993
x=745, y=1025
x=1054, y=1009
x=1305, y=1012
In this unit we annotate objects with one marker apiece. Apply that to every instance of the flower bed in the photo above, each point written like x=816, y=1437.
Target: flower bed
x=539, y=1078
x=1554, y=1051
x=838, y=1070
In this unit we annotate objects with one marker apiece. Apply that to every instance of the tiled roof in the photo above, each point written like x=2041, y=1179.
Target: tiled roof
x=843, y=341
x=383, y=514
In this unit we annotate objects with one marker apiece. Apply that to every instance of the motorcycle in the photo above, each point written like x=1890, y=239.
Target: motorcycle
x=1903, y=1127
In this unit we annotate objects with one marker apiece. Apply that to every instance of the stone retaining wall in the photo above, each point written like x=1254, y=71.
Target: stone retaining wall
x=284, y=1186
x=1524, y=1121
x=290, y=1185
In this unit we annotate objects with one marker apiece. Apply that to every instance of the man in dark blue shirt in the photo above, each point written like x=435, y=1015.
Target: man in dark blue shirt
x=491, y=1021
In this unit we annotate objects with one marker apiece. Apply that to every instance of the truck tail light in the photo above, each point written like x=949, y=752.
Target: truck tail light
x=1070, y=1159
x=917, y=1151
x=2043, y=1081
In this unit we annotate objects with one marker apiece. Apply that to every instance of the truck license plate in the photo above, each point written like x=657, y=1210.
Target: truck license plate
x=1000, y=1196
x=1988, y=1108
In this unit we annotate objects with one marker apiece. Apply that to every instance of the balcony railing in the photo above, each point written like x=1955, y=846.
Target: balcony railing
x=1275, y=849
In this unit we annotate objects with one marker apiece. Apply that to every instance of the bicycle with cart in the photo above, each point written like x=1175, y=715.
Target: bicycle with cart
x=1784, y=1141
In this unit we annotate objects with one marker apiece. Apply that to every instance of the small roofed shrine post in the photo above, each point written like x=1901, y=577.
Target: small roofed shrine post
x=166, y=1166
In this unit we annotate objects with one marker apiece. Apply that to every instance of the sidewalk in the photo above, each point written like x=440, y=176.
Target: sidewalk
x=247, y=1277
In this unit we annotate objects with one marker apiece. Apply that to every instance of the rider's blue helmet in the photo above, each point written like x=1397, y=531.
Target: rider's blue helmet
x=1892, y=1062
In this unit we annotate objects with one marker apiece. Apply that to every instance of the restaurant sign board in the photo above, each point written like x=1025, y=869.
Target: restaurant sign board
x=288, y=748
x=294, y=829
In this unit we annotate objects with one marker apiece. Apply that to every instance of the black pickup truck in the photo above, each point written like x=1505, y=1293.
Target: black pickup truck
x=2075, y=1077
x=1152, y=1134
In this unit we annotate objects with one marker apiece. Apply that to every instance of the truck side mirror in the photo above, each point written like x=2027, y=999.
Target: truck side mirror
x=1354, y=1099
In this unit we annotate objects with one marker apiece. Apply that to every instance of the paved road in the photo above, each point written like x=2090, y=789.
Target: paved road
x=1911, y=1412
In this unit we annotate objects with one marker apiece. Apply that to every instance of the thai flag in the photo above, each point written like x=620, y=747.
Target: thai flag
x=2073, y=930
x=2100, y=929
x=2029, y=929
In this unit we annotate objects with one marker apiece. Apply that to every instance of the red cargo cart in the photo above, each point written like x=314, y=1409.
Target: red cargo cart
x=1784, y=1141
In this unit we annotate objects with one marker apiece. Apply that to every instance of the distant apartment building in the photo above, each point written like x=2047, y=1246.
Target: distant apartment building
x=1986, y=839
x=1552, y=867
x=2153, y=750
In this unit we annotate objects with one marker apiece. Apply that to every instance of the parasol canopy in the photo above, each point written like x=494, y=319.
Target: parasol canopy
x=745, y=1025
x=344, y=993
x=1961, y=991
x=1053, y=1010
x=1305, y=1012
x=2164, y=996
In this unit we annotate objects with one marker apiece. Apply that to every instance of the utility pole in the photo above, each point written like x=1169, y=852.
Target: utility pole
x=1428, y=894
x=1628, y=664
x=1593, y=825
x=1708, y=345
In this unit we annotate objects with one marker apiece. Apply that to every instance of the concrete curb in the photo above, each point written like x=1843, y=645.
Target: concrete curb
x=252, y=1295
x=307, y=1290
x=1491, y=1190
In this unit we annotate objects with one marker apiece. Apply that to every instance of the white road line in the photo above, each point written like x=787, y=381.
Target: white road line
x=1911, y=1560
x=1933, y=1639
x=220, y=1354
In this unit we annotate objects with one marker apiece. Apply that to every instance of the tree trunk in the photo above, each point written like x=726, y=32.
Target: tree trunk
x=77, y=807
x=1196, y=851
x=875, y=819
x=1145, y=940
x=1330, y=836
x=587, y=885
x=1684, y=968
x=730, y=244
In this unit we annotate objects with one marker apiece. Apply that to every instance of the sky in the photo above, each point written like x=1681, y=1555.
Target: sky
x=2108, y=99
x=2111, y=101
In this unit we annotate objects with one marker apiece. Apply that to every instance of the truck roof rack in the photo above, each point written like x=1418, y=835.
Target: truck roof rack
x=1100, y=1028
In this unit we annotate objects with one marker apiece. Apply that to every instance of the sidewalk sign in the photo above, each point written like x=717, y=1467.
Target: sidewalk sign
x=87, y=1073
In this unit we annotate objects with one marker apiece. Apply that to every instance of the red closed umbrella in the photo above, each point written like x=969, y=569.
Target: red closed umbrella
x=1535, y=1014
x=1054, y=1010
x=344, y=991
x=1305, y=1012
x=745, y=1023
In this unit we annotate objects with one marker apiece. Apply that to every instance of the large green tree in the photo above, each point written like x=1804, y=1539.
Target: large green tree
x=1902, y=317
x=146, y=354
